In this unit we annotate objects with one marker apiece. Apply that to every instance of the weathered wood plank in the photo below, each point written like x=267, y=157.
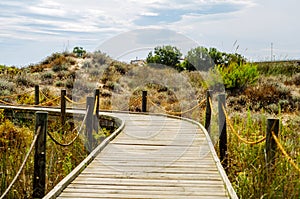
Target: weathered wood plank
x=152, y=158
x=155, y=156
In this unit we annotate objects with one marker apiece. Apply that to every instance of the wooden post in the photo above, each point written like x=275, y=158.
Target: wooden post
x=63, y=109
x=144, y=101
x=96, y=116
x=89, y=122
x=208, y=111
x=39, y=178
x=222, y=131
x=272, y=125
x=36, y=95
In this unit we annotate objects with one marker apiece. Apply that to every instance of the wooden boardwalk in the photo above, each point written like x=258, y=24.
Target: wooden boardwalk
x=153, y=156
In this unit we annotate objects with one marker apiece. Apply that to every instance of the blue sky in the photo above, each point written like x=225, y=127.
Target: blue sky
x=32, y=30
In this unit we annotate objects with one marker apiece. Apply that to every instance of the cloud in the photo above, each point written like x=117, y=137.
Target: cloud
x=171, y=12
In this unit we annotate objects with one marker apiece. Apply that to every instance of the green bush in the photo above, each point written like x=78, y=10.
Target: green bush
x=23, y=80
x=166, y=55
x=100, y=58
x=237, y=77
x=60, y=67
x=47, y=75
x=79, y=51
x=6, y=85
x=59, y=84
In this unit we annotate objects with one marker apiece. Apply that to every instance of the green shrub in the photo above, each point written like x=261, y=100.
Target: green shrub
x=87, y=64
x=59, y=84
x=6, y=85
x=23, y=80
x=59, y=67
x=94, y=72
x=79, y=51
x=100, y=58
x=237, y=77
x=47, y=75
x=69, y=83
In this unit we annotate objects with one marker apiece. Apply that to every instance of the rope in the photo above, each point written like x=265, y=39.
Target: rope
x=23, y=164
x=44, y=95
x=6, y=103
x=73, y=102
x=74, y=139
x=178, y=113
x=211, y=106
x=95, y=106
x=239, y=137
x=11, y=96
x=45, y=103
x=285, y=153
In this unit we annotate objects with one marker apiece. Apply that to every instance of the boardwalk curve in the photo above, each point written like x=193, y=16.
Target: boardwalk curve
x=149, y=156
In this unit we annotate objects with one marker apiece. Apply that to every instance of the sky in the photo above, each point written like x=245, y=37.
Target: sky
x=32, y=30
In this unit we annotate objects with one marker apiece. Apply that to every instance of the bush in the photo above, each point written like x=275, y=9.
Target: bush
x=47, y=75
x=59, y=67
x=167, y=56
x=100, y=58
x=69, y=83
x=79, y=51
x=237, y=77
x=6, y=85
x=59, y=84
x=268, y=96
x=23, y=80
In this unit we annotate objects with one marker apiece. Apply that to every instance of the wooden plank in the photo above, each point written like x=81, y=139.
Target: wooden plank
x=156, y=156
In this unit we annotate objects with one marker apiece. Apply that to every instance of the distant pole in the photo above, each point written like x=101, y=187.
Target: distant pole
x=222, y=130
x=271, y=51
x=208, y=111
x=36, y=94
x=272, y=126
x=39, y=178
x=63, y=109
x=144, y=101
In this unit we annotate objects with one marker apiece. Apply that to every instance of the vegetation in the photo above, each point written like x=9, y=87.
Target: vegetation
x=79, y=51
x=255, y=91
x=165, y=55
x=236, y=77
x=250, y=175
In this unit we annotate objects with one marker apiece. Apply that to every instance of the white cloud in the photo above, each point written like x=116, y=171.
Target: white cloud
x=213, y=22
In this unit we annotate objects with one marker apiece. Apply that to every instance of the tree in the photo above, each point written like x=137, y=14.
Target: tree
x=79, y=51
x=225, y=59
x=198, y=59
x=165, y=55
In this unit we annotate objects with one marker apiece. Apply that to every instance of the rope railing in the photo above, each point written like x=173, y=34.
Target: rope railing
x=48, y=102
x=179, y=112
x=73, y=102
x=210, y=104
x=44, y=95
x=283, y=151
x=15, y=95
x=23, y=164
x=74, y=139
x=289, y=158
x=238, y=136
x=6, y=103
x=95, y=106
